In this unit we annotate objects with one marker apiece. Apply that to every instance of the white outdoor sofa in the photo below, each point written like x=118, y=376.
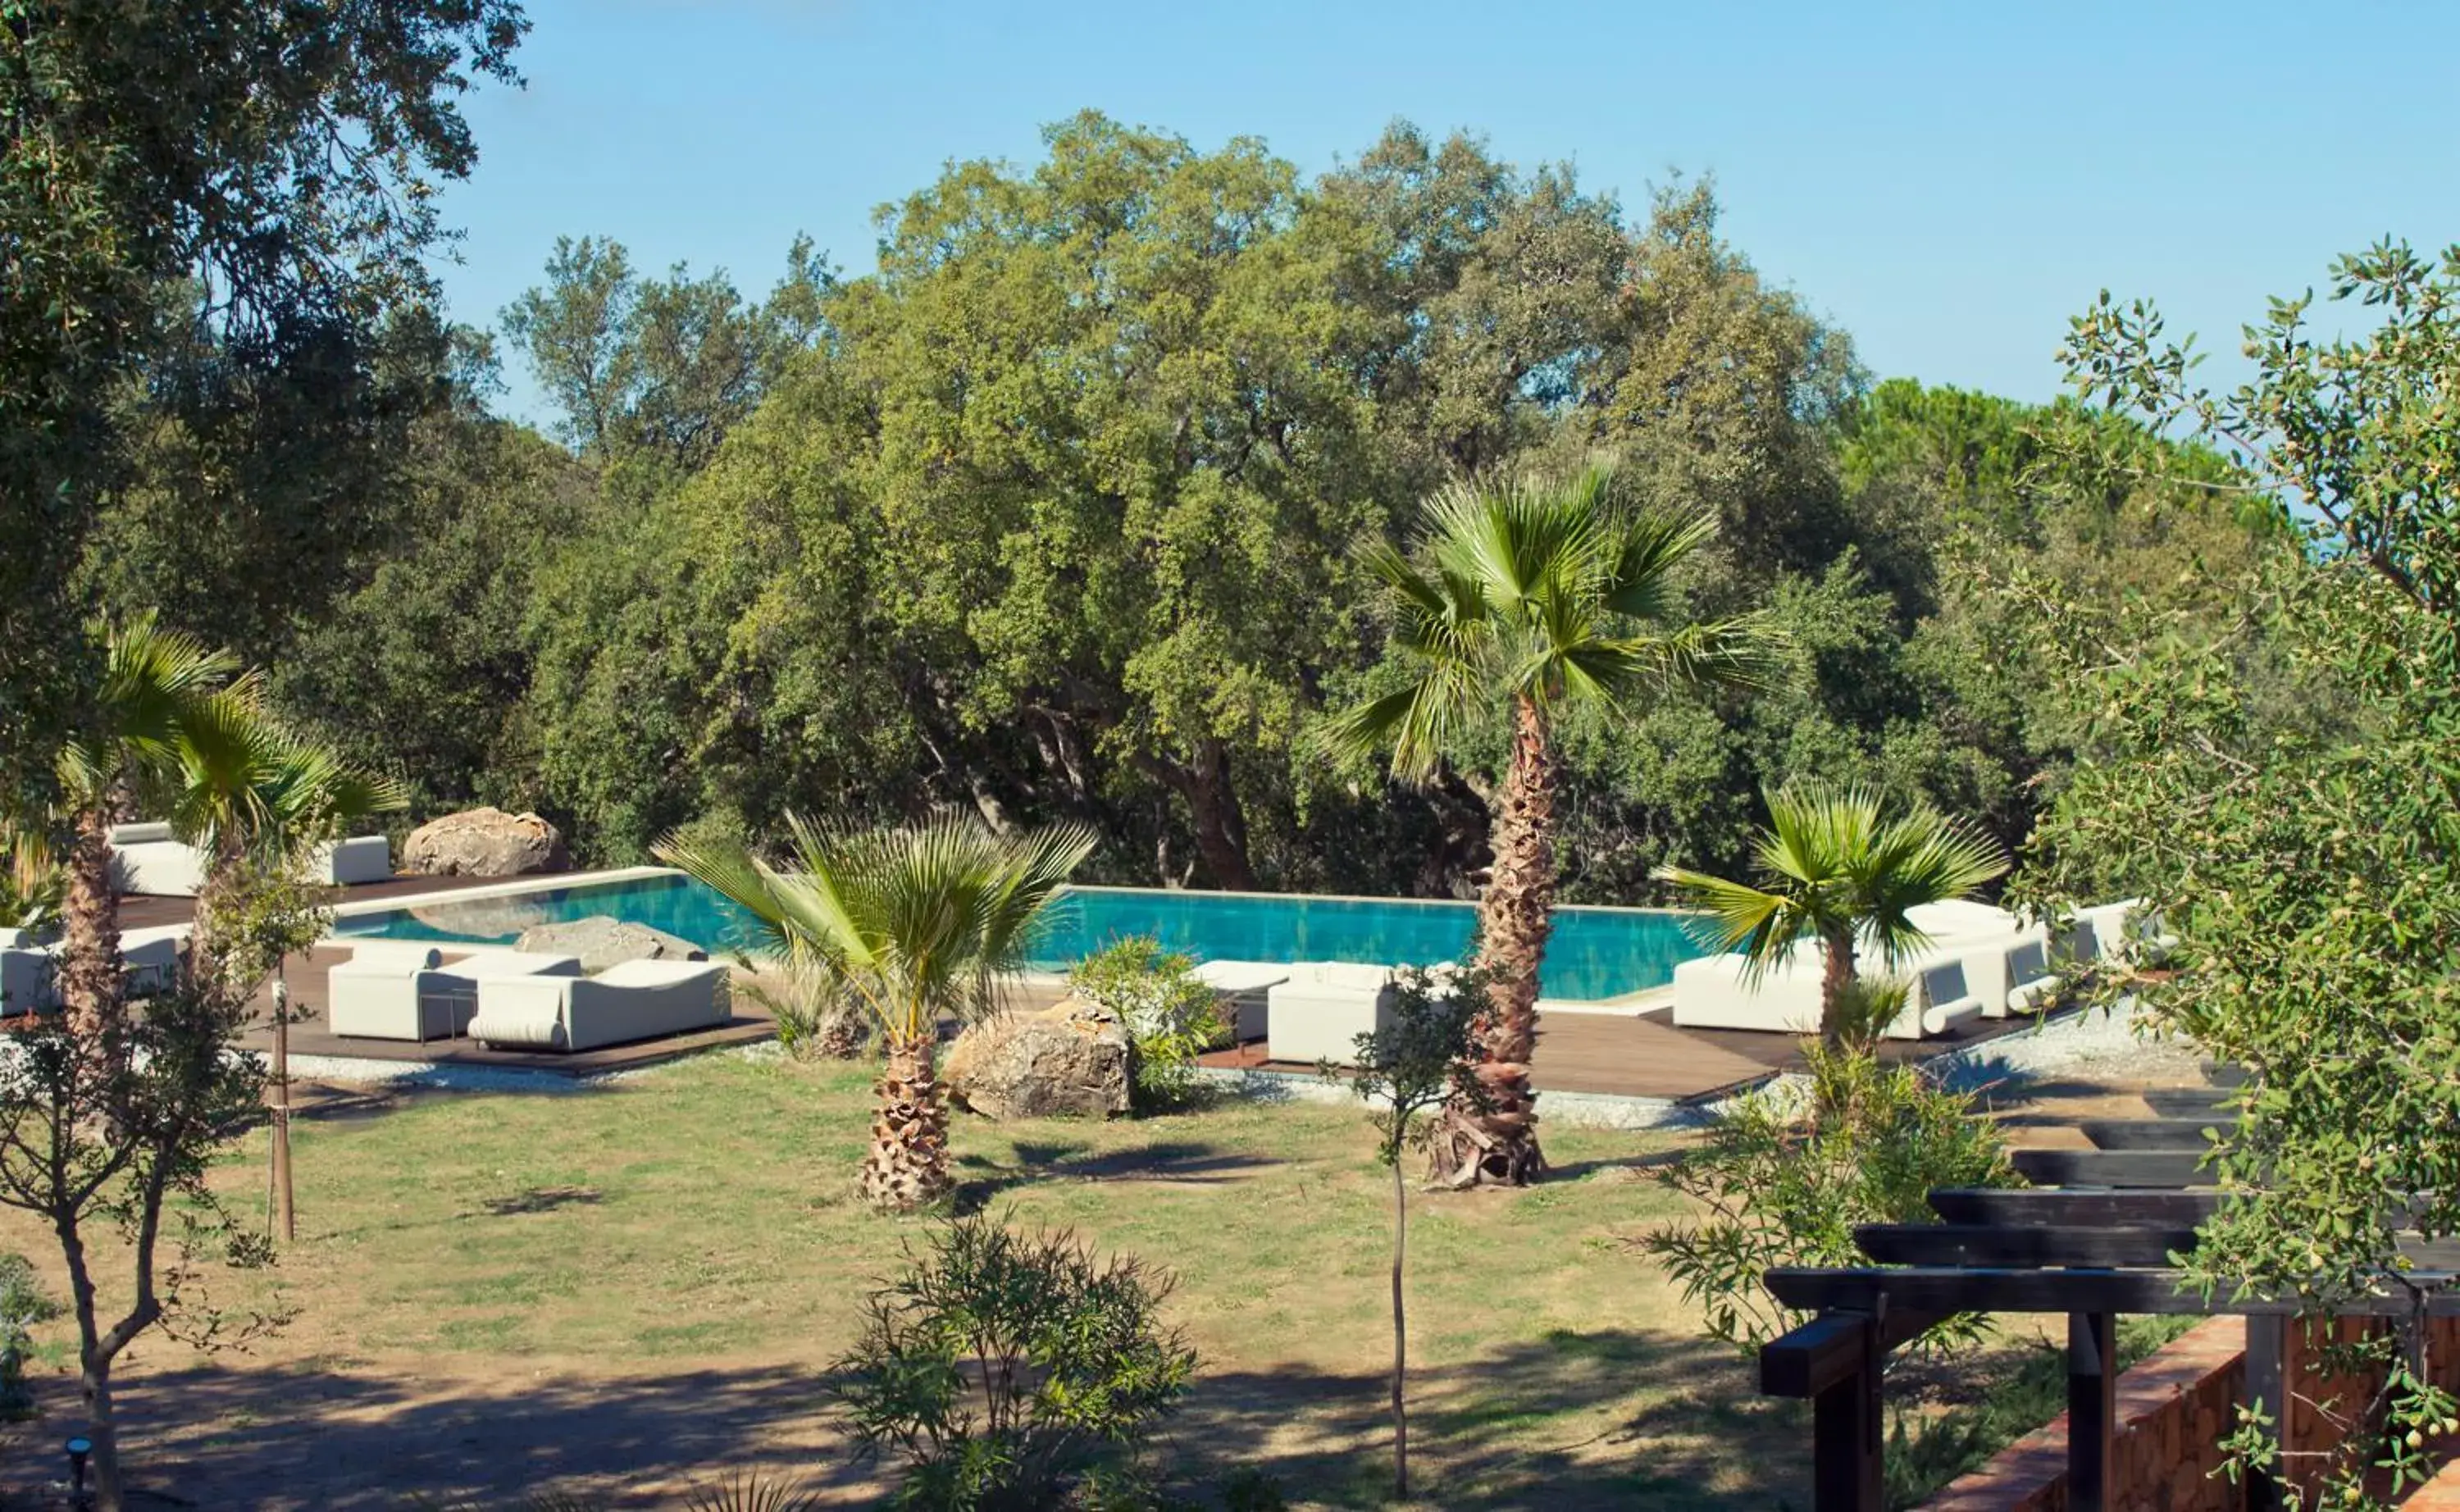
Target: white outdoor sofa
x=30, y=972
x=146, y=859
x=396, y=990
x=630, y=1000
x=1245, y=988
x=1713, y=992
x=1319, y=1012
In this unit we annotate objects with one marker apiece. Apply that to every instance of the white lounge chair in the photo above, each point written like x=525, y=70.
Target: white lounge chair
x=1317, y=1014
x=630, y=1000
x=148, y=858
x=30, y=972
x=1243, y=987
x=1713, y=992
x=397, y=993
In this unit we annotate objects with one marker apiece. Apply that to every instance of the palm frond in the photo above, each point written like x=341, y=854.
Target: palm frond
x=1651, y=545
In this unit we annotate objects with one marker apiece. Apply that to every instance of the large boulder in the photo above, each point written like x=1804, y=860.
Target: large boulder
x=1072, y=1057
x=601, y=942
x=484, y=842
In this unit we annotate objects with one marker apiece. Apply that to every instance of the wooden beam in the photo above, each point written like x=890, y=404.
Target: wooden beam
x=2153, y=1134
x=1944, y=1289
x=2189, y=1102
x=2266, y=1390
x=1814, y=1356
x=2124, y=1168
x=1995, y=1204
x=2003, y=1245
x=2092, y=1411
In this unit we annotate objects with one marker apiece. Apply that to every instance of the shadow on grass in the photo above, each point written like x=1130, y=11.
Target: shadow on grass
x=292, y=1439
x=1547, y=1424
x=1654, y=1422
x=1184, y=1161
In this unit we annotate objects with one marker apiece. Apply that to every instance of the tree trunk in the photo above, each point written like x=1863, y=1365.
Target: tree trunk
x=94, y=1367
x=89, y=980
x=1836, y=975
x=1498, y=1142
x=282, y=1204
x=1400, y=1334
x=1205, y=783
x=908, y=1164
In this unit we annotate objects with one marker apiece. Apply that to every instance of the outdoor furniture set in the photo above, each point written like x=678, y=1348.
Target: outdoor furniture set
x=518, y=1000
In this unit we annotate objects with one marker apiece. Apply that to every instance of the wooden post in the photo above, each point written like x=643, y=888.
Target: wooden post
x=2266, y=1390
x=1846, y=1436
x=2093, y=1409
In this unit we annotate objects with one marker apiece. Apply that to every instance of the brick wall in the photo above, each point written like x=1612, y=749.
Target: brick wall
x=2173, y=1408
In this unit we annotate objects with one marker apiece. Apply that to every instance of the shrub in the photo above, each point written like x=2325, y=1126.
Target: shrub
x=23, y=1304
x=1171, y=1016
x=817, y=1018
x=1012, y=1371
x=1786, y=1175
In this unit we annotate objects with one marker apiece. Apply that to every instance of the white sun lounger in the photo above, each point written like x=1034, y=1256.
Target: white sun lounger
x=630, y=1000
x=147, y=859
x=403, y=994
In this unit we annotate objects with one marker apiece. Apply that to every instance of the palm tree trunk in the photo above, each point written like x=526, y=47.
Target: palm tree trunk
x=1837, y=974
x=90, y=981
x=1499, y=1142
x=908, y=1164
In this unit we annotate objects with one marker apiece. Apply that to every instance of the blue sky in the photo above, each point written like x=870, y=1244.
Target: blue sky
x=1946, y=182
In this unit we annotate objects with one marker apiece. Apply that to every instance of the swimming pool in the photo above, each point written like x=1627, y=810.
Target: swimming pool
x=1594, y=954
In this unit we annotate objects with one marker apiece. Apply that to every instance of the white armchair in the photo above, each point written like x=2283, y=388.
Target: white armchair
x=1317, y=1014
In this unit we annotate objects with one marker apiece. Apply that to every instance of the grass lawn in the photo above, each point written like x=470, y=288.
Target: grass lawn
x=637, y=1285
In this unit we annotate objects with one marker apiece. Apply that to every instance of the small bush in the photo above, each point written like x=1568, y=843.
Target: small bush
x=1172, y=1016
x=23, y=1304
x=1010, y=1370
x=817, y=1018
x=1787, y=1175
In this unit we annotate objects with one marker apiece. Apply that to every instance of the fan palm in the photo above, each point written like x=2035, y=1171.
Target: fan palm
x=1835, y=868
x=1537, y=596
x=913, y=925
x=177, y=724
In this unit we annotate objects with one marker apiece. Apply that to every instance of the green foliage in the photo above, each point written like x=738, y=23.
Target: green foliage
x=1787, y=1174
x=1170, y=1015
x=286, y=156
x=1007, y=1370
x=32, y=880
x=1536, y=591
x=23, y=1304
x=2283, y=790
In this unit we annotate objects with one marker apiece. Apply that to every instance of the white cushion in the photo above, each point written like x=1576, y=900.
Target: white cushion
x=140, y=834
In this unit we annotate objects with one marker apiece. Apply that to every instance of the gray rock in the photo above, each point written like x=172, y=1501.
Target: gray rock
x=1072, y=1057
x=601, y=942
x=480, y=918
x=484, y=842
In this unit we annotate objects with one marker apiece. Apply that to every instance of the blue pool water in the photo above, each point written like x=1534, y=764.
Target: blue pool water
x=1594, y=954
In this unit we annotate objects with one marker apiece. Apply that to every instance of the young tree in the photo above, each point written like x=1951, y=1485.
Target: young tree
x=1415, y=1064
x=914, y=924
x=1835, y=869
x=126, y=1137
x=1539, y=595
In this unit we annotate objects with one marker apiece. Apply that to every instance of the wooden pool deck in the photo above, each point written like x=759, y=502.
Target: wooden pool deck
x=1613, y=1053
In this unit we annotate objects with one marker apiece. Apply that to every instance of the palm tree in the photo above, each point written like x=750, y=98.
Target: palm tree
x=912, y=923
x=1537, y=596
x=178, y=725
x=1833, y=867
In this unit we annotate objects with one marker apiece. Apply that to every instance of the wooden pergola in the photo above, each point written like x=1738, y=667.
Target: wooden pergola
x=2092, y=1239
